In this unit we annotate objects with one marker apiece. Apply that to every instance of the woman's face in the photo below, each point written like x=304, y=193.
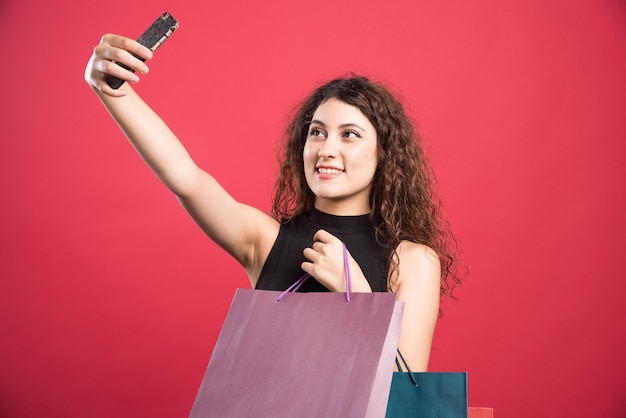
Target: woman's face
x=340, y=158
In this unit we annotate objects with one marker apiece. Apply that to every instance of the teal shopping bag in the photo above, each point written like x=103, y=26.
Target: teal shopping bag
x=427, y=394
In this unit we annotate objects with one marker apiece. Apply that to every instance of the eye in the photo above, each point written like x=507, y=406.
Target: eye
x=315, y=132
x=351, y=134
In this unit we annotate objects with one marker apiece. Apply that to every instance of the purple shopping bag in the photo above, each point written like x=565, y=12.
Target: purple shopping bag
x=302, y=355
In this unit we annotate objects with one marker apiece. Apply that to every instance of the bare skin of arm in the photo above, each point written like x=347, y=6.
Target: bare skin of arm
x=243, y=231
x=418, y=286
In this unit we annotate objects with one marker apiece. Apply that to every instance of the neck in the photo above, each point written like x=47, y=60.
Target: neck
x=341, y=208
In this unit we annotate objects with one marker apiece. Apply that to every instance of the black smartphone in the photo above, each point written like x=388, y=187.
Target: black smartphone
x=153, y=37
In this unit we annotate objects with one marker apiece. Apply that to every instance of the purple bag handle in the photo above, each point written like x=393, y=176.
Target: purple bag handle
x=346, y=268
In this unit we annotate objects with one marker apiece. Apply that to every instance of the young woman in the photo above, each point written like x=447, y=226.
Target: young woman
x=353, y=172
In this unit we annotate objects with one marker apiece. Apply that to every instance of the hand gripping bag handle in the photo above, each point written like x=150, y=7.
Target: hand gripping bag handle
x=346, y=268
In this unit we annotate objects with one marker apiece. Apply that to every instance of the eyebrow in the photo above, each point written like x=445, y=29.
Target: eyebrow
x=342, y=126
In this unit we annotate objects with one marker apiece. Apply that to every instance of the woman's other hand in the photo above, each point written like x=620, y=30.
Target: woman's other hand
x=326, y=264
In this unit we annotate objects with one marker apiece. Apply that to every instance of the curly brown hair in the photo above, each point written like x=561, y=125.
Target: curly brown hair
x=404, y=200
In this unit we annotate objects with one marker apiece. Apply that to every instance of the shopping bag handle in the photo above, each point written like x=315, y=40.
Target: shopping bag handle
x=346, y=269
x=406, y=366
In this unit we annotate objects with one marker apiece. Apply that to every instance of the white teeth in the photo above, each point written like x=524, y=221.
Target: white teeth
x=323, y=170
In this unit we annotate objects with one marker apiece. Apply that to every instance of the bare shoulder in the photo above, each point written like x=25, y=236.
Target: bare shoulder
x=418, y=265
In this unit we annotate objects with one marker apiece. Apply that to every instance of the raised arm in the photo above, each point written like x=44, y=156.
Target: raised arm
x=243, y=231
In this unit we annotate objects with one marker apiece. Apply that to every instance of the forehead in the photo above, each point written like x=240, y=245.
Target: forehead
x=334, y=111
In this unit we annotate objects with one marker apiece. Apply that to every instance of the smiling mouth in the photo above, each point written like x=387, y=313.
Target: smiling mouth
x=324, y=170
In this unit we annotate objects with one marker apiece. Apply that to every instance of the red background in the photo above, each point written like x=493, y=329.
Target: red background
x=111, y=299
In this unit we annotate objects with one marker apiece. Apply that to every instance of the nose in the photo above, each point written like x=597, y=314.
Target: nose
x=328, y=149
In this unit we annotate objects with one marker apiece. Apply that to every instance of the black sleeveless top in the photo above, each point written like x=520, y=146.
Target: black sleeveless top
x=282, y=266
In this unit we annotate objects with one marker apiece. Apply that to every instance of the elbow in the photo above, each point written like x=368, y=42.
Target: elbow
x=183, y=182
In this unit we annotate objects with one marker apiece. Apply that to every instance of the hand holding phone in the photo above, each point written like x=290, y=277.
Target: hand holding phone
x=152, y=38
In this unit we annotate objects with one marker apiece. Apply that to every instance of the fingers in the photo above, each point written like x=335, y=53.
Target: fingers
x=324, y=242
x=126, y=44
x=311, y=254
x=108, y=64
x=111, y=50
x=106, y=53
x=326, y=249
x=325, y=261
x=325, y=237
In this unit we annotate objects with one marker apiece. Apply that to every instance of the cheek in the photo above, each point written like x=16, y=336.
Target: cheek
x=309, y=159
x=309, y=155
x=368, y=158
